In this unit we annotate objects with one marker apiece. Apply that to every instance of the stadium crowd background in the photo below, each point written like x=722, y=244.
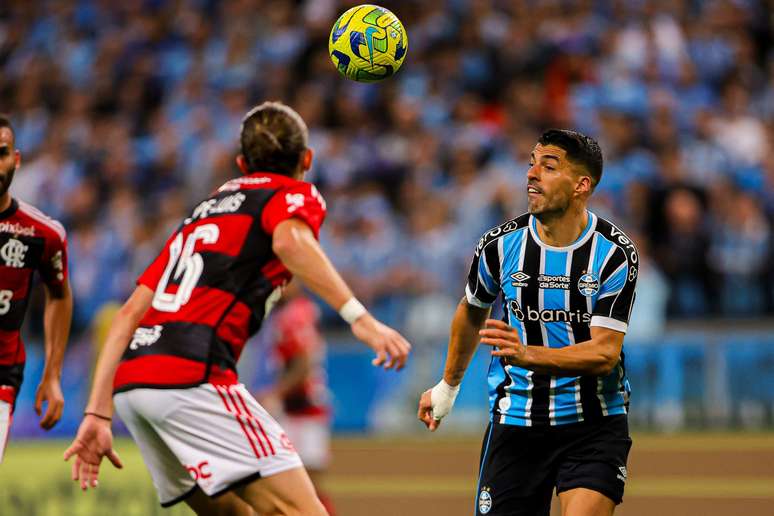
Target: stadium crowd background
x=127, y=113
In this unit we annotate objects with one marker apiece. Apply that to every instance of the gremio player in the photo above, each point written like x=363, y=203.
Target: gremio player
x=170, y=356
x=29, y=241
x=558, y=391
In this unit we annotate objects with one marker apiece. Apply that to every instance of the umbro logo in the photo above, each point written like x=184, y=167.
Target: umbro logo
x=520, y=279
x=622, y=474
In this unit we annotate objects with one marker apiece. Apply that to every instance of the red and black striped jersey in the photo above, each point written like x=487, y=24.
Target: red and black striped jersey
x=214, y=281
x=29, y=241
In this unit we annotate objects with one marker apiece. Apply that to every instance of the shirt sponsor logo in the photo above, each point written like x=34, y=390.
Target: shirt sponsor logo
x=145, y=337
x=520, y=279
x=484, y=501
x=13, y=253
x=17, y=229
x=548, y=315
x=588, y=284
x=558, y=282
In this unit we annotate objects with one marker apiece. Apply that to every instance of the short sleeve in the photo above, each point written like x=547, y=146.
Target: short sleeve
x=483, y=284
x=301, y=201
x=616, y=294
x=53, y=266
x=152, y=275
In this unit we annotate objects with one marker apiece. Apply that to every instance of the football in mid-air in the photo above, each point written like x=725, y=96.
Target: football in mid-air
x=368, y=43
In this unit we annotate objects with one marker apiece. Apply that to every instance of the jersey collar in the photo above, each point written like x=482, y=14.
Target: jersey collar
x=10, y=210
x=277, y=178
x=584, y=236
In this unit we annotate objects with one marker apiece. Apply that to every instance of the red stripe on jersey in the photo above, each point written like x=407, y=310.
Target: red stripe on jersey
x=8, y=395
x=167, y=370
x=11, y=349
x=241, y=424
x=276, y=272
x=256, y=420
x=252, y=428
x=205, y=307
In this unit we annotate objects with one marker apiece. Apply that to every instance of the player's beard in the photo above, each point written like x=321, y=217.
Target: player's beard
x=6, y=178
x=550, y=208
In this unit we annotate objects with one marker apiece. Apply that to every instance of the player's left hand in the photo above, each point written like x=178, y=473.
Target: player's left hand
x=49, y=391
x=500, y=335
x=93, y=442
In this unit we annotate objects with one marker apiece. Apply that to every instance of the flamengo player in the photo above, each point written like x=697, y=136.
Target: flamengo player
x=300, y=392
x=29, y=241
x=558, y=391
x=203, y=437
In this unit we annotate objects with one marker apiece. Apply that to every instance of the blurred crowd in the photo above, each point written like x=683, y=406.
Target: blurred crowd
x=127, y=113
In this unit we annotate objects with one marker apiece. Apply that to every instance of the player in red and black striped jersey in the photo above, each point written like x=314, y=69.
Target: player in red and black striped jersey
x=29, y=241
x=182, y=331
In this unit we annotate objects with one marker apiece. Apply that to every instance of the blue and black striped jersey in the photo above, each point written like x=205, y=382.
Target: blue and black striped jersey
x=553, y=296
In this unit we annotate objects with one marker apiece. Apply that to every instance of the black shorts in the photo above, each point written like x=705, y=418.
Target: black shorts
x=521, y=466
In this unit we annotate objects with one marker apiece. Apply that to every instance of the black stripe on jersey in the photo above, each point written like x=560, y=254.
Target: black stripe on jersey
x=612, y=264
x=12, y=375
x=530, y=297
x=582, y=331
x=13, y=319
x=186, y=340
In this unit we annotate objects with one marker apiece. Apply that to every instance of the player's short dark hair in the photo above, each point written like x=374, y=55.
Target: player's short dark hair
x=5, y=121
x=273, y=138
x=581, y=149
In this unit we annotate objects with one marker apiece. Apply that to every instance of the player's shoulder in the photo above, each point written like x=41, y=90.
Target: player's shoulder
x=47, y=226
x=618, y=238
x=497, y=232
x=276, y=184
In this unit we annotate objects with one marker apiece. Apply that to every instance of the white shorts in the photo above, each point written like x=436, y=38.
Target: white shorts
x=311, y=437
x=6, y=417
x=215, y=437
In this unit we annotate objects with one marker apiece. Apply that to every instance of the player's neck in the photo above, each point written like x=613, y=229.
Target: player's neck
x=5, y=201
x=564, y=229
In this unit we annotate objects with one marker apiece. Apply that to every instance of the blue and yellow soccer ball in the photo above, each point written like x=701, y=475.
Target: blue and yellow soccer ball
x=368, y=43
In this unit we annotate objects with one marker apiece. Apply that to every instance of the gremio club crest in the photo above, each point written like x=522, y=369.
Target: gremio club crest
x=484, y=501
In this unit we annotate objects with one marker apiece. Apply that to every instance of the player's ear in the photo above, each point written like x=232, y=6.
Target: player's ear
x=306, y=159
x=584, y=185
x=242, y=164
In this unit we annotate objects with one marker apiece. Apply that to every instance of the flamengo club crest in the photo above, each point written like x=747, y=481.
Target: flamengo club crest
x=484, y=501
x=13, y=253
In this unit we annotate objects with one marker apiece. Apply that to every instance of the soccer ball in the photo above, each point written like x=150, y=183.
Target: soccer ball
x=367, y=43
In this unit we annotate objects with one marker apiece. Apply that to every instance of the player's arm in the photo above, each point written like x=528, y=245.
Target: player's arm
x=597, y=356
x=57, y=315
x=295, y=245
x=481, y=291
x=468, y=320
x=95, y=439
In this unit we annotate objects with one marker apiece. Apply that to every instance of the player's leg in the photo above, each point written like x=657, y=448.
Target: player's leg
x=6, y=417
x=227, y=504
x=585, y=502
x=592, y=473
x=516, y=475
x=289, y=493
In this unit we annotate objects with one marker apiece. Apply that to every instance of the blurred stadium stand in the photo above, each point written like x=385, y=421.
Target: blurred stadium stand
x=128, y=112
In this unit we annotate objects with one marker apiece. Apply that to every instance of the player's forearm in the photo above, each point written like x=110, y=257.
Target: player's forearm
x=593, y=357
x=121, y=331
x=468, y=320
x=299, y=251
x=57, y=316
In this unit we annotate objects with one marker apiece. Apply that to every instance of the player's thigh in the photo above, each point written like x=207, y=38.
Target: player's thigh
x=516, y=476
x=228, y=504
x=585, y=502
x=6, y=416
x=289, y=493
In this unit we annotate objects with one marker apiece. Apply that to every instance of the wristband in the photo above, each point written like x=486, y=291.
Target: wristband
x=99, y=416
x=352, y=310
x=442, y=397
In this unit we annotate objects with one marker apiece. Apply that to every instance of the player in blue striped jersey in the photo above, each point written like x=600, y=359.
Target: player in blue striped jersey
x=557, y=380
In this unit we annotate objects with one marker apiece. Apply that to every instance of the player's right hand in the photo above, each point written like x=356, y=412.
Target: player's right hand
x=425, y=413
x=436, y=403
x=391, y=348
x=93, y=442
